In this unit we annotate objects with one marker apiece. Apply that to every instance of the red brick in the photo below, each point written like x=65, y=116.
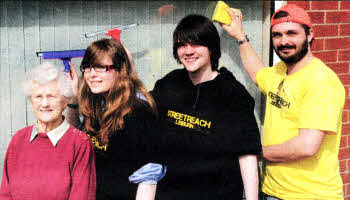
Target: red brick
x=338, y=17
x=337, y=43
x=345, y=129
x=345, y=5
x=344, y=55
x=324, y=5
x=327, y=56
x=344, y=141
x=339, y=68
x=348, y=169
x=344, y=29
x=347, y=102
x=345, y=79
x=344, y=153
x=325, y=30
x=345, y=117
x=316, y=17
x=347, y=198
x=342, y=165
x=347, y=191
x=346, y=91
x=317, y=44
x=344, y=188
x=302, y=4
x=346, y=177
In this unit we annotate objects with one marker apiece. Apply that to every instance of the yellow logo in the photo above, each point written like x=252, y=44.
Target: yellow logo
x=187, y=120
x=96, y=143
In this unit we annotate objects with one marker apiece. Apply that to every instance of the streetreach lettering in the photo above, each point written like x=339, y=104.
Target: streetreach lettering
x=278, y=101
x=97, y=144
x=187, y=120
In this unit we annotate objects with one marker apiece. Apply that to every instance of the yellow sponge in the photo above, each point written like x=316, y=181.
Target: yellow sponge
x=220, y=14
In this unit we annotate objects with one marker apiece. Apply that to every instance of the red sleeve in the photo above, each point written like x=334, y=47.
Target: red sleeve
x=5, y=190
x=84, y=173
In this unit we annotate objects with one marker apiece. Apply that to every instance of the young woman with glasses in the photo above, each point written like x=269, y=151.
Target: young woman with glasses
x=119, y=115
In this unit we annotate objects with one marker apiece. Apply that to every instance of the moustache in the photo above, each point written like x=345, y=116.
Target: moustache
x=282, y=47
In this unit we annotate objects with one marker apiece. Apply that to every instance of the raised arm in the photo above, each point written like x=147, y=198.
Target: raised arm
x=251, y=61
x=72, y=112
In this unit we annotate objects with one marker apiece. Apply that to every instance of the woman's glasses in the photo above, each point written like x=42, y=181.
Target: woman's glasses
x=97, y=68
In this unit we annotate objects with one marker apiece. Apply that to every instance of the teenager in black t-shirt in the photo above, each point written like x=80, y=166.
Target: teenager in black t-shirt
x=209, y=135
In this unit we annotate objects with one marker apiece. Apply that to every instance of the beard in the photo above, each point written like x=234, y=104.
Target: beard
x=295, y=57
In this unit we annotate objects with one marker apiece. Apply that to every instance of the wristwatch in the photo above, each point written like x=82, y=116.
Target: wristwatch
x=246, y=39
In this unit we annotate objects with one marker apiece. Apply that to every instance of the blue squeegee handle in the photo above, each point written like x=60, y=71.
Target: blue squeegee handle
x=66, y=64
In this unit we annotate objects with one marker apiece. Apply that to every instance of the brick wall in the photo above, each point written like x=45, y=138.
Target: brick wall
x=331, y=23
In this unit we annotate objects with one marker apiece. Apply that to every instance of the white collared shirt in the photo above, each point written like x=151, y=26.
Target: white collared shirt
x=55, y=135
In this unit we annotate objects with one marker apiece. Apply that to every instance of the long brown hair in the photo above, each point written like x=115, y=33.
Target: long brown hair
x=119, y=100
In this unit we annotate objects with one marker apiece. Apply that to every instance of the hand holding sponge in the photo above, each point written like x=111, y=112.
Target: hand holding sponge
x=220, y=14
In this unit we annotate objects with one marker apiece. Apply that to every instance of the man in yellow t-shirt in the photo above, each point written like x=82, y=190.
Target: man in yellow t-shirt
x=304, y=104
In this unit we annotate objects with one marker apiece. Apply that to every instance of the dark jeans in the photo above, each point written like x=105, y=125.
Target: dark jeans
x=268, y=197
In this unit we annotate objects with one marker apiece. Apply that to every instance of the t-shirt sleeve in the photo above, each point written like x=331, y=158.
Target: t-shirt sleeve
x=144, y=130
x=322, y=107
x=261, y=79
x=245, y=132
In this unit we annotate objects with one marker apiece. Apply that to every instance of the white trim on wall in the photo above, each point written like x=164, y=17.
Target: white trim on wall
x=278, y=4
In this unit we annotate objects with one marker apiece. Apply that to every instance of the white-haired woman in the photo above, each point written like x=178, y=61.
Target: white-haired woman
x=50, y=159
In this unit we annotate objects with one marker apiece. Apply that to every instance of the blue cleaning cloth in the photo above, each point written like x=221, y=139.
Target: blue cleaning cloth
x=149, y=174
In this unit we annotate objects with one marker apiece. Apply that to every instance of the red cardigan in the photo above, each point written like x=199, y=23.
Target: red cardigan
x=38, y=170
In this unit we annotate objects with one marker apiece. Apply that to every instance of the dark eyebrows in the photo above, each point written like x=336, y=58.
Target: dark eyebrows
x=275, y=34
x=291, y=31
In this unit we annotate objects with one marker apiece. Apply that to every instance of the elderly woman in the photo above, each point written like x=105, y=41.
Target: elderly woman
x=50, y=159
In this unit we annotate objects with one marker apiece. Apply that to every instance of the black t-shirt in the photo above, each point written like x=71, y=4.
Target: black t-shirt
x=204, y=129
x=128, y=150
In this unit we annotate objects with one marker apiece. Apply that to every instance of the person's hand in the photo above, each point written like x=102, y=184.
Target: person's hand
x=235, y=29
x=75, y=83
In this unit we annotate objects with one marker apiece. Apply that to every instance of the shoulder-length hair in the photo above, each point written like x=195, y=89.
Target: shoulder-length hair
x=107, y=119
